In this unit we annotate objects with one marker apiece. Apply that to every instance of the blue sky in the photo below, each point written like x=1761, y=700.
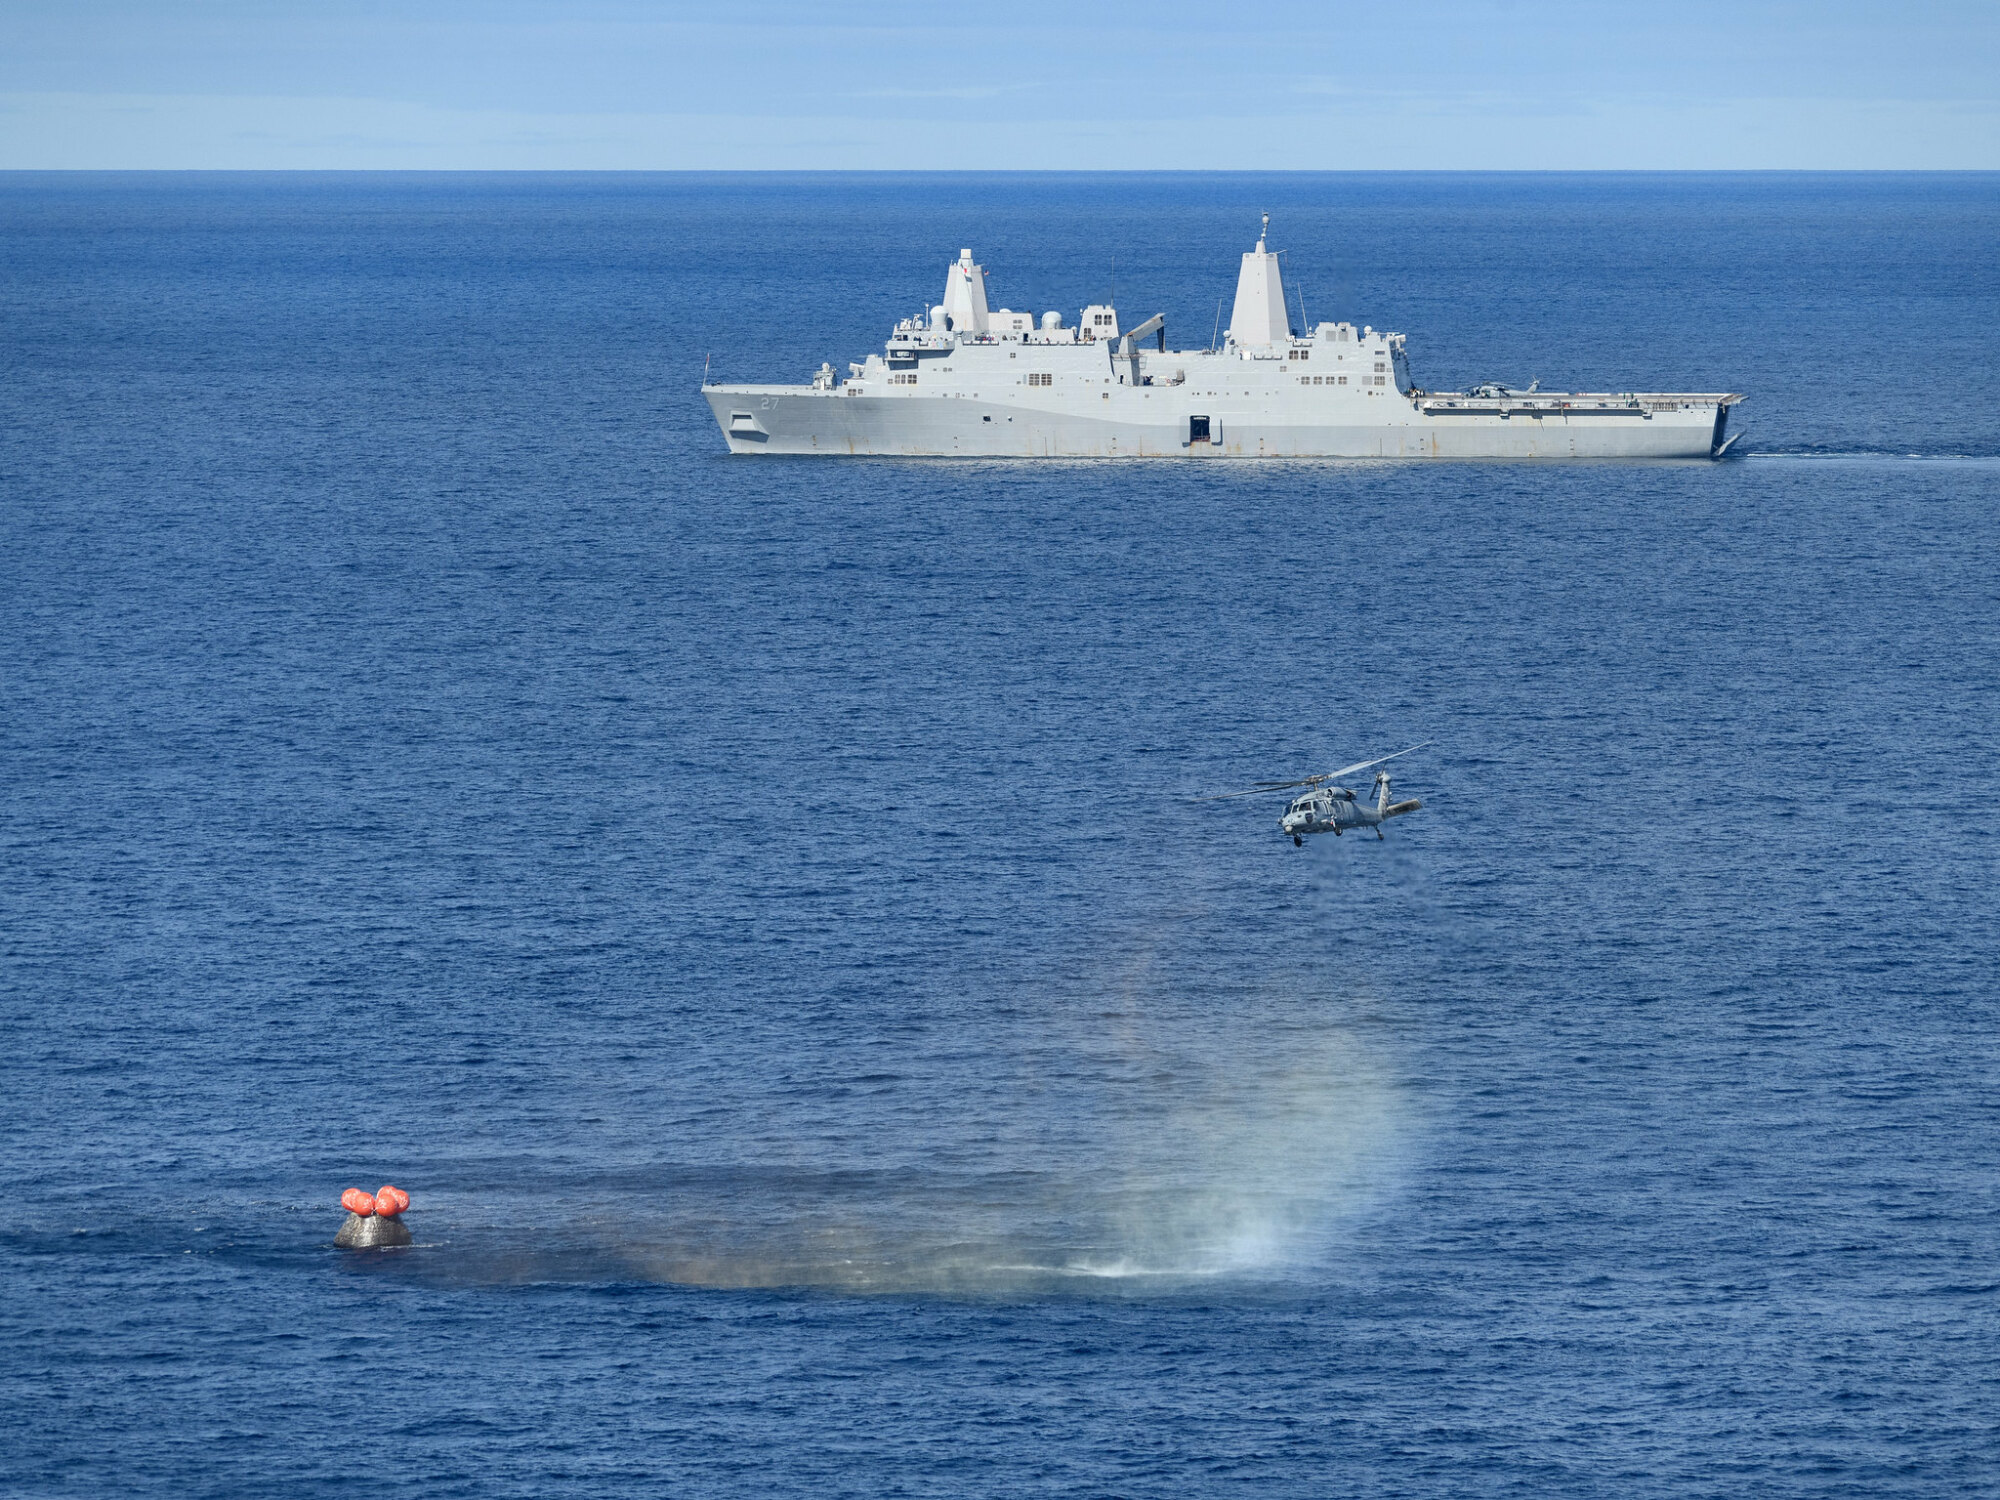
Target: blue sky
x=1457, y=84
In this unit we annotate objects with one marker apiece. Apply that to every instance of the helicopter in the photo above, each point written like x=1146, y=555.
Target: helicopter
x=1330, y=807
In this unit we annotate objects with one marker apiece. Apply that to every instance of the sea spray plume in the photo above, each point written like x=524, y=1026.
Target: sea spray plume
x=1249, y=1163
x=1240, y=1147
x=1261, y=1161
x=1188, y=1127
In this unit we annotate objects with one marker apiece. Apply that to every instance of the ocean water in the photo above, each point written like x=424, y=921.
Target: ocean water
x=755, y=908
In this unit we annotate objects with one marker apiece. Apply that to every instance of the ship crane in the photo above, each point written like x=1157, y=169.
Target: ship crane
x=1127, y=347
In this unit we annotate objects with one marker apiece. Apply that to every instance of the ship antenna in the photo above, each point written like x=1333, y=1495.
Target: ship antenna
x=704, y=369
x=1217, y=332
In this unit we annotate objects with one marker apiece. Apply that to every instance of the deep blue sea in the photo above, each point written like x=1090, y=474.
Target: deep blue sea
x=756, y=910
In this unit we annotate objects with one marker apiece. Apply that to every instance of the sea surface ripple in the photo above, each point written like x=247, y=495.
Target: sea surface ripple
x=756, y=909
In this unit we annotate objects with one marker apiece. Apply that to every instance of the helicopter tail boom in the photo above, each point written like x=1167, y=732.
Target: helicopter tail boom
x=1397, y=809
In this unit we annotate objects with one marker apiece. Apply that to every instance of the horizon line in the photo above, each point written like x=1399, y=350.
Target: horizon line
x=1000, y=171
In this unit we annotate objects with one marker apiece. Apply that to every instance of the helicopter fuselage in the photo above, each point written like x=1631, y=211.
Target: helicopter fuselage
x=1335, y=810
x=1330, y=807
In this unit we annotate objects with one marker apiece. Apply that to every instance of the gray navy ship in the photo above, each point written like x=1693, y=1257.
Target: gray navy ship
x=963, y=380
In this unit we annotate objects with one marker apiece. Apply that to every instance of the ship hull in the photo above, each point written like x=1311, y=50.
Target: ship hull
x=803, y=421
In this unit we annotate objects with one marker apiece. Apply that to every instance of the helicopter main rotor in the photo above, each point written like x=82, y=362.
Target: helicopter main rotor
x=1312, y=781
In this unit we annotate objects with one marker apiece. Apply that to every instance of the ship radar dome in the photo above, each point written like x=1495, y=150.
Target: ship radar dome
x=1051, y=320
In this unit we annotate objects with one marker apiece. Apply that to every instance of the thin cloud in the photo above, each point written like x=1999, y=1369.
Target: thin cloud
x=984, y=91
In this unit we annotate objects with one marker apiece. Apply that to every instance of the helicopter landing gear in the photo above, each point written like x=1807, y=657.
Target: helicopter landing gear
x=1297, y=842
x=1378, y=833
x=1336, y=830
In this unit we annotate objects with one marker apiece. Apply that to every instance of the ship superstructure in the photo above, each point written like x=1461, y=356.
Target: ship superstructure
x=964, y=380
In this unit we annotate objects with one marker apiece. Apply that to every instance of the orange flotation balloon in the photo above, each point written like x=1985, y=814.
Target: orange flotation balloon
x=357, y=1202
x=391, y=1201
